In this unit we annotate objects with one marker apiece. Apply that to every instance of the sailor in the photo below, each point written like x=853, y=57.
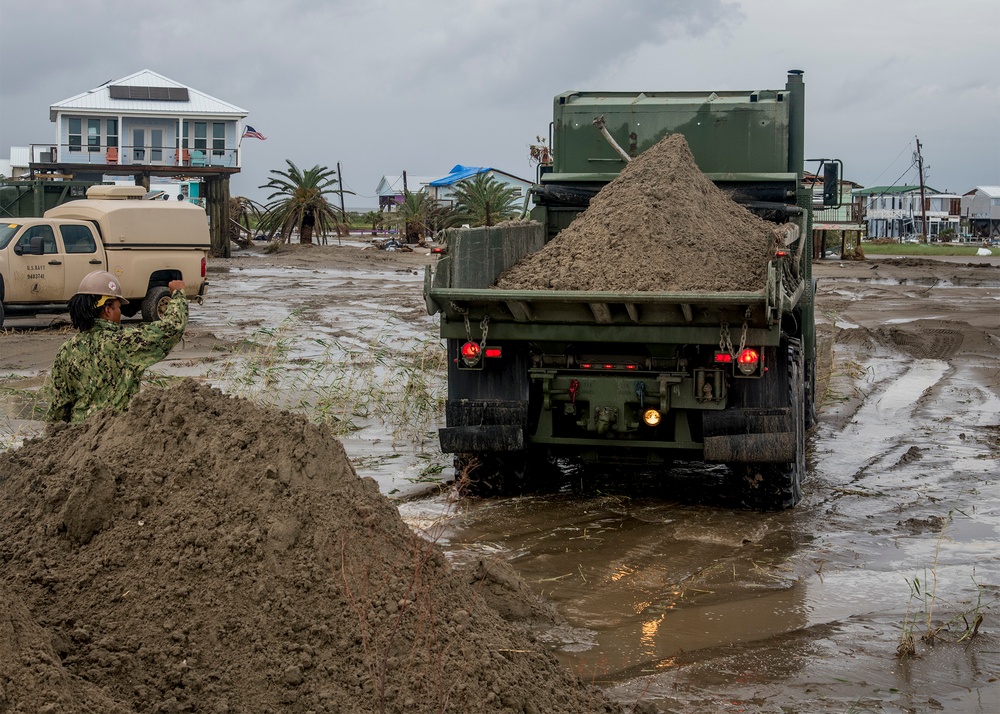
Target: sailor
x=102, y=366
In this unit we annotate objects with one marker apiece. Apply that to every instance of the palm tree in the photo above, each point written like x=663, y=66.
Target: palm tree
x=419, y=214
x=375, y=218
x=299, y=202
x=244, y=217
x=485, y=201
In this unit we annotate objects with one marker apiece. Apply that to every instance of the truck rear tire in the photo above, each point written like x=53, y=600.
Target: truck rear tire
x=155, y=303
x=774, y=486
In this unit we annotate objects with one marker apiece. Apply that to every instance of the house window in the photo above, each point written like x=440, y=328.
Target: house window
x=200, y=135
x=112, y=132
x=218, y=139
x=93, y=135
x=75, y=134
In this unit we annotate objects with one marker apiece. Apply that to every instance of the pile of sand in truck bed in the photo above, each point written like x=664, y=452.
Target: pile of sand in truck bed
x=661, y=225
x=202, y=554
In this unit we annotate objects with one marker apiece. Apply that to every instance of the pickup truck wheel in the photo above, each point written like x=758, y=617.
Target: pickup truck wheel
x=155, y=303
x=773, y=486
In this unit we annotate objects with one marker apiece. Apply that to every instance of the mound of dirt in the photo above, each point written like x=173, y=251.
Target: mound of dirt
x=660, y=225
x=201, y=554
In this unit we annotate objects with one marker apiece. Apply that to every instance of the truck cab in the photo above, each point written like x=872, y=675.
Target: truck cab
x=46, y=260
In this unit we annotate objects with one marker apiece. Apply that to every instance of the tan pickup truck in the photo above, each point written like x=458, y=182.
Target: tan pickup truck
x=146, y=244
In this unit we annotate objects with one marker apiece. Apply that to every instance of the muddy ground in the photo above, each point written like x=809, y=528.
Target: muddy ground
x=670, y=595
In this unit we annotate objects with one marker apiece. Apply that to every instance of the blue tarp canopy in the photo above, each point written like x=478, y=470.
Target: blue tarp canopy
x=459, y=173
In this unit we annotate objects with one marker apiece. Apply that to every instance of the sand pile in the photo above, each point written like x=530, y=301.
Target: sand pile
x=201, y=554
x=660, y=225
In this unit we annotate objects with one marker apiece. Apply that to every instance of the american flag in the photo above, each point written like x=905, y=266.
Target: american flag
x=251, y=133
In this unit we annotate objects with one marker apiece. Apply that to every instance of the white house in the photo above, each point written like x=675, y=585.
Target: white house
x=981, y=211
x=144, y=119
x=897, y=211
x=443, y=189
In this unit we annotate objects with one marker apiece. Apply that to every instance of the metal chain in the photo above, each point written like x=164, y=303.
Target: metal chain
x=726, y=340
x=485, y=327
x=743, y=333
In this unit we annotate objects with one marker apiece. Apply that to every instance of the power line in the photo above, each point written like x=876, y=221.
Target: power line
x=908, y=146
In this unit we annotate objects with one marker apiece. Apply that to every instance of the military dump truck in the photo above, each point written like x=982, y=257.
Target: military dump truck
x=639, y=378
x=146, y=244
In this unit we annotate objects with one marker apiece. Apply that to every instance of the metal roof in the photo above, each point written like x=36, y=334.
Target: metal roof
x=883, y=190
x=393, y=185
x=991, y=191
x=100, y=101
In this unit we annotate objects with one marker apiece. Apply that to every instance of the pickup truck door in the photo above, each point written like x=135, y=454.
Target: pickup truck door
x=80, y=255
x=35, y=278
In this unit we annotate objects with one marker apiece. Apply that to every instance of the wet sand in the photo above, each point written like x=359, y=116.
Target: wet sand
x=670, y=595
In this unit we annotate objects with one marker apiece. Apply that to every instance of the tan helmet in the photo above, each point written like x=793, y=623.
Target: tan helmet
x=101, y=282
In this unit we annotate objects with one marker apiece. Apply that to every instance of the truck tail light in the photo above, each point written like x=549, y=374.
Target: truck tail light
x=723, y=358
x=748, y=360
x=204, y=266
x=470, y=352
x=493, y=352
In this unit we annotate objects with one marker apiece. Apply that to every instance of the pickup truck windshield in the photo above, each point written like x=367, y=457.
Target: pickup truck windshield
x=7, y=232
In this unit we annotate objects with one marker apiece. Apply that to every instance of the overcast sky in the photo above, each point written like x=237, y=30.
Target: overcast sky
x=384, y=86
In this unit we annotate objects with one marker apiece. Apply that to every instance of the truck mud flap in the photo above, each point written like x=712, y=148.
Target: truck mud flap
x=477, y=439
x=751, y=448
x=479, y=425
x=749, y=435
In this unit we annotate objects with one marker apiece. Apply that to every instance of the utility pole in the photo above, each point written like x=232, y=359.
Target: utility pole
x=923, y=209
x=340, y=190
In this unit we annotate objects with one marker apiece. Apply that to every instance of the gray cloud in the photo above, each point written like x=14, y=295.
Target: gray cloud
x=390, y=85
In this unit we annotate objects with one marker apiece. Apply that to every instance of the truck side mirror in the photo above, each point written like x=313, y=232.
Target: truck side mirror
x=36, y=246
x=831, y=193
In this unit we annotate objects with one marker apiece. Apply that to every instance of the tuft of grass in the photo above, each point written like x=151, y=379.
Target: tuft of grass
x=375, y=375
x=918, y=249
x=924, y=599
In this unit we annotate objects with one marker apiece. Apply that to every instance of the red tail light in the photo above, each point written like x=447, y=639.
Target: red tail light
x=204, y=266
x=494, y=352
x=470, y=351
x=748, y=360
x=723, y=358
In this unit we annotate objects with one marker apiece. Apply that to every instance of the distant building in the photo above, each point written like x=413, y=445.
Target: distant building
x=897, y=212
x=390, y=189
x=834, y=225
x=143, y=119
x=980, y=209
x=443, y=189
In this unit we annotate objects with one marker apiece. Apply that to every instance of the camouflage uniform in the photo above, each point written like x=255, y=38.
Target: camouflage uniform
x=103, y=366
